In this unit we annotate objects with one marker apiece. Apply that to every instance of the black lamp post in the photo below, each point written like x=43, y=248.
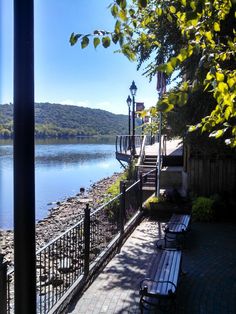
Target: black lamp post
x=133, y=89
x=129, y=100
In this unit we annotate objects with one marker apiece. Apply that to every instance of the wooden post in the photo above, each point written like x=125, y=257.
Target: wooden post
x=24, y=177
x=86, y=239
x=3, y=288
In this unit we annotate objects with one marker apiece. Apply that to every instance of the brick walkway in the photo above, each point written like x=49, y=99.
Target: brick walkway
x=209, y=287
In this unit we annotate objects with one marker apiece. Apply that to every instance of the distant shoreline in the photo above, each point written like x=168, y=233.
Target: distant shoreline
x=64, y=137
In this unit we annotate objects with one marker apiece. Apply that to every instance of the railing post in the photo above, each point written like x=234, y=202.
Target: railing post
x=141, y=191
x=156, y=180
x=116, y=143
x=86, y=239
x=3, y=286
x=122, y=207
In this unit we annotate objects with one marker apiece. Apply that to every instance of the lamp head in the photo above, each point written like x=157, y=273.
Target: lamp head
x=129, y=100
x=133, y=89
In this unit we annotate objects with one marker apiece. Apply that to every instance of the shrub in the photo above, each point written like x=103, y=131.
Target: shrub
x=202, y=209
x=152, y=199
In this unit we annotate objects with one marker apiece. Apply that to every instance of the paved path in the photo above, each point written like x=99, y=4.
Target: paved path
x=209, y=287
x=173, y=147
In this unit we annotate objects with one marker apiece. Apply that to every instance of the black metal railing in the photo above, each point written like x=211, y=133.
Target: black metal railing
x=124, y=143
x=66, y=259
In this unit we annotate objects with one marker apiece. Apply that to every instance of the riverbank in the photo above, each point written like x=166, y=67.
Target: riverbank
x=64, y=215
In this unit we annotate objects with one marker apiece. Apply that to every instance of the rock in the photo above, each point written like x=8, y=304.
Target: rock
x=64, y=215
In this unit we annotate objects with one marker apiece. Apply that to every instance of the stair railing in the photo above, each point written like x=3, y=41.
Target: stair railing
x=142, y=151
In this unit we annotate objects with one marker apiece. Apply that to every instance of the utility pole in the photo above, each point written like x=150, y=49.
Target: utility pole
x=24, y=177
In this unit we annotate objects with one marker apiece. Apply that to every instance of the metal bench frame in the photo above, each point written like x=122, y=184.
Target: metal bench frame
x=175, y=231
x=159, y=291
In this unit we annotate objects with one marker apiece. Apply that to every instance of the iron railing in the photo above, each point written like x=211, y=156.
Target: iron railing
x=124, y=143
x=66, y=259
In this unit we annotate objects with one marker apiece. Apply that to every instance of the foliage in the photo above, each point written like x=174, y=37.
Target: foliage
x=194, y=38
x=114, y=190
x=203, y=209
x=153, y=199
x=54, y=120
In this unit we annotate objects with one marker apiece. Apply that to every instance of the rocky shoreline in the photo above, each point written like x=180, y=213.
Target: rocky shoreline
x=64, y=215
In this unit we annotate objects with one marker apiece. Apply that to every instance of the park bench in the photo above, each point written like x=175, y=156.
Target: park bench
x=159, y=290
x=175, y=230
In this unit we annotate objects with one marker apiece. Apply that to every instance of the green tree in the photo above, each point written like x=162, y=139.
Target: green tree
x=196, y=40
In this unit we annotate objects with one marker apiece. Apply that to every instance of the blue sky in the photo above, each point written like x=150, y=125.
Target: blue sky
x=69, y=75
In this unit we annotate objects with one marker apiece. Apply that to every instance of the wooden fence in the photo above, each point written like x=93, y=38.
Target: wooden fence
x=210, y=174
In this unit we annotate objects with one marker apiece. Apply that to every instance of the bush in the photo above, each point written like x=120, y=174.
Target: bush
x=203, y=209
x=153, y=200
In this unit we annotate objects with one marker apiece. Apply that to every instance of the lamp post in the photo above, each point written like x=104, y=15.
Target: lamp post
x=129, y=100
x=133, y=90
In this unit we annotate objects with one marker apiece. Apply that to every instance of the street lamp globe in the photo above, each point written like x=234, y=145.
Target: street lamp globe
x=129, y=101
x=133, y=89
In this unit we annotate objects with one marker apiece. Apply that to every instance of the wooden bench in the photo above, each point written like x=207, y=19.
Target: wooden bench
x=178, y=226
x=160, y=289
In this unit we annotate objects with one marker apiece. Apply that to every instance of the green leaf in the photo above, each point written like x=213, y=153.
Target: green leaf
x=153, y=111
x=106, y=41
x=115, y=38
x=123, y=15
x=222, y=87
x=208, y=35
x=159, y=11
x=84, y=42
x=193, y=5
x=142, y=3
x=114, y=10
x=96, y=42
x=74, y=38
x=217, y=133
x=117, y=27
x=131, y=13
x=220, y=77
x=169, y=68
x=228, y=112
x=172, y=9
x=216, y=27
x=123, y=4
x=164, y=106
x=183, y=98
x=192, y=128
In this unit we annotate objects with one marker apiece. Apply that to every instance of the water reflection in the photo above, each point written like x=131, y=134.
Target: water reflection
x=62, y=167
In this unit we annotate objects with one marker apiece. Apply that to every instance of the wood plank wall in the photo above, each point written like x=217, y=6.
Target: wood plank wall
x=210, y=174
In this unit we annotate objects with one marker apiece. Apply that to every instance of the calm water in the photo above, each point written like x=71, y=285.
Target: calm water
x=62, y=167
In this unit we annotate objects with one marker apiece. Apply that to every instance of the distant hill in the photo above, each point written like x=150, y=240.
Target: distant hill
x=55, y=120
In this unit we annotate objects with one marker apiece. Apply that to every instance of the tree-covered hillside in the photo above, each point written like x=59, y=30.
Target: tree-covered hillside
x=55, y=120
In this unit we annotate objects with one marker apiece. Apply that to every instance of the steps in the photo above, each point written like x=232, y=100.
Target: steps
x=171, y=176
x=148, y=165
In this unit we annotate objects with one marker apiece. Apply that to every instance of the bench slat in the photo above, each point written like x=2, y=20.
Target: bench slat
x=168, y=271
x=178, y=223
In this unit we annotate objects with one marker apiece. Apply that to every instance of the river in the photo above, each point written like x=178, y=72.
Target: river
x=62, y=167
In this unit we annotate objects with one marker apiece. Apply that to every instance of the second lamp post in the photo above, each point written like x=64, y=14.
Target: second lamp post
x=133, y=90
x=129, y=100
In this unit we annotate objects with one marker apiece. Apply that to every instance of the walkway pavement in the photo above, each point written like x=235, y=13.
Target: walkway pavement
x=209, y=286
x=173, y=147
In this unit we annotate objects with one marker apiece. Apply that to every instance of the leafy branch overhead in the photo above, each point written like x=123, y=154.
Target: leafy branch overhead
x=196, y=40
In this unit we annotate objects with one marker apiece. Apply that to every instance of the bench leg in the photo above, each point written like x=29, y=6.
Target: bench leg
x=166, y=305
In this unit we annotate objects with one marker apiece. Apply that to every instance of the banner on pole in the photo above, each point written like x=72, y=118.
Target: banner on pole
x=139, y=106
x=161, y=82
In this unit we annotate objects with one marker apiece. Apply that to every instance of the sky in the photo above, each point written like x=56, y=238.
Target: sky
x=95, y=78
